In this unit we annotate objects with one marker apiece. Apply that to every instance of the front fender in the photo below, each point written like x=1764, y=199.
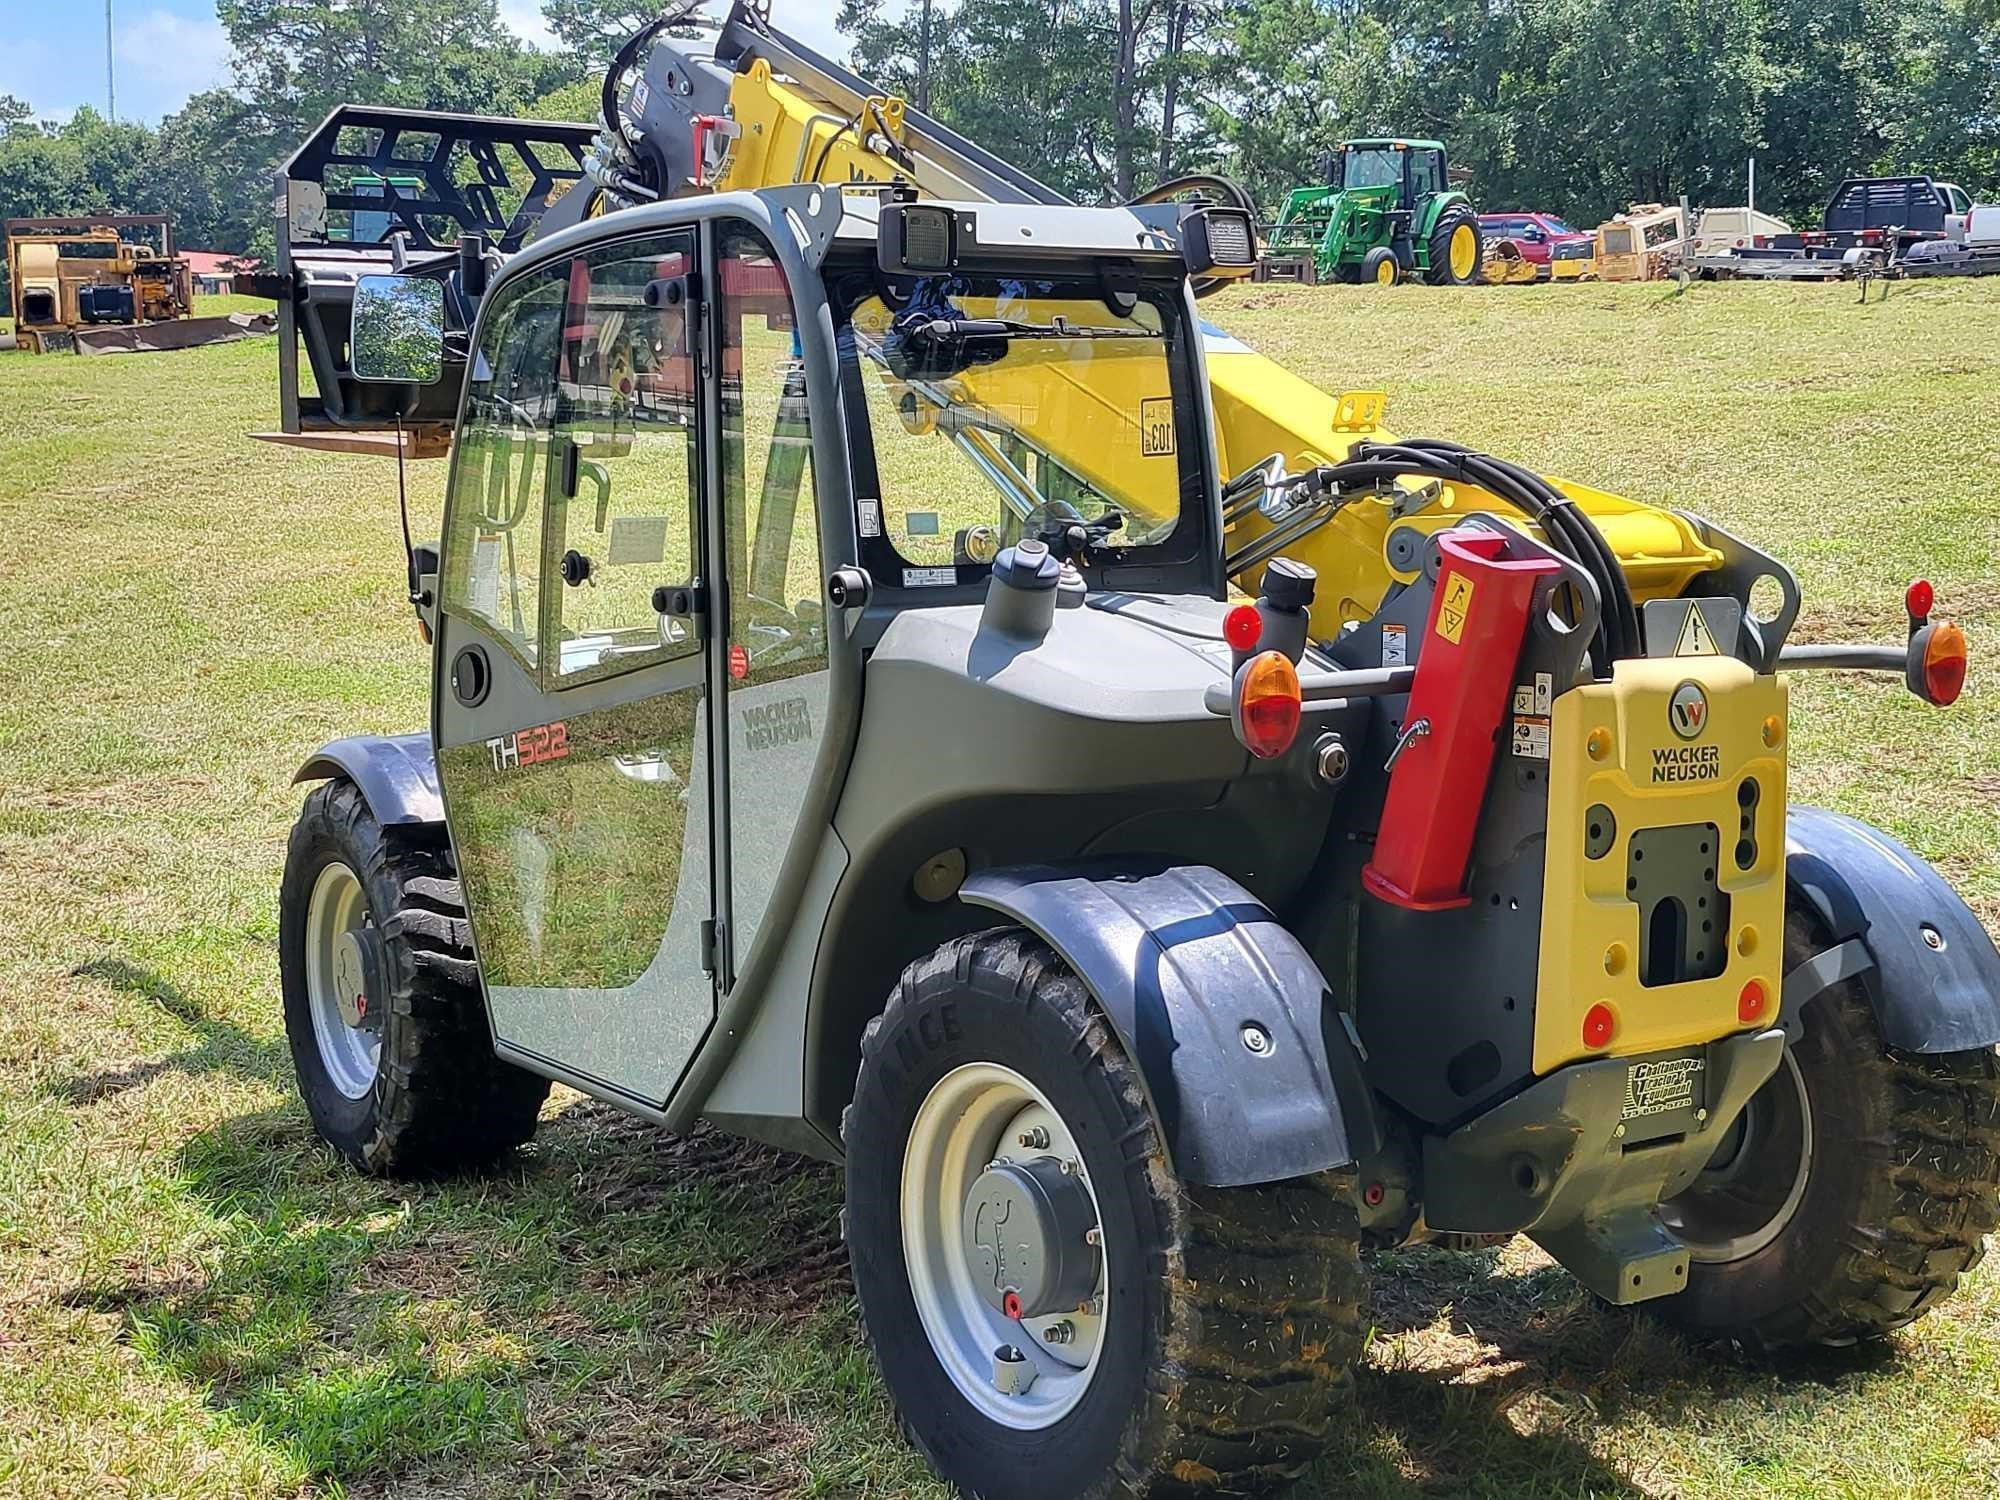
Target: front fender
x=1934, y=979
x=397, y=775
x=1186, y=965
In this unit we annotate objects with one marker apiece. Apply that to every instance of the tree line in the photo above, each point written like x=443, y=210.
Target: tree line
x=1576, y=107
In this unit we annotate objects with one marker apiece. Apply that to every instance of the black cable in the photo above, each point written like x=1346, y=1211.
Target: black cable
x=825, y=151
x=1569, y=529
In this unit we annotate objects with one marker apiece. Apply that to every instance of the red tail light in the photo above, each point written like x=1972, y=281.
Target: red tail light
x=1269, y=705
x=1920, y=599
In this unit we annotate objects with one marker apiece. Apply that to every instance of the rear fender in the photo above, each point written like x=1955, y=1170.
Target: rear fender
x=397, y=776
x=1251, y=1074
x=1928, y=966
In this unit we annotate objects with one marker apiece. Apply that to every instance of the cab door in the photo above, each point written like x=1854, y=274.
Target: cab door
x=571, y=717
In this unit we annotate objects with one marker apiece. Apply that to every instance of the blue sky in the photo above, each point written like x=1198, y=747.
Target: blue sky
x=52, y=54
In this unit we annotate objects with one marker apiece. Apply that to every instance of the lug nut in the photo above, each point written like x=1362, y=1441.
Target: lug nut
x=1060, y=1333
x=1034, y=1140
x=1093, y=1236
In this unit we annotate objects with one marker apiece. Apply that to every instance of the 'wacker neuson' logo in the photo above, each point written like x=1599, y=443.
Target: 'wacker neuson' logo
x=1687, y=712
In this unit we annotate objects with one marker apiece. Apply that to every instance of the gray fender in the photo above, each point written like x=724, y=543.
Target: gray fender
x=1184, y=962
x=1928, y=966
x=397, y=775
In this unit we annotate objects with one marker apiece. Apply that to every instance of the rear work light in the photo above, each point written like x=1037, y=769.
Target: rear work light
x=1269, y=705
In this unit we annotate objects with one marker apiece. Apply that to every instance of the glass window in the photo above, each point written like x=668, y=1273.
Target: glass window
x=1426, y=173
x=574, y=493
x=1372, y=166
x=778, y=663
x=972, y=385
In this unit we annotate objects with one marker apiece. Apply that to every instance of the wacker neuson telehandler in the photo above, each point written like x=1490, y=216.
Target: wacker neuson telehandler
x=845, y=730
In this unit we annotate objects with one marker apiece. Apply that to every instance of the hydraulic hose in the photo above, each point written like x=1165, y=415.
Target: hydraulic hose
x=1569, y=529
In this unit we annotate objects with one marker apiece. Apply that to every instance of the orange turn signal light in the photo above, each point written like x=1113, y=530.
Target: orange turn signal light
x=1938, y=660
x=1269, y=704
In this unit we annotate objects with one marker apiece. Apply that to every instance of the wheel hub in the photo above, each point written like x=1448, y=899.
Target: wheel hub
x=357, y=971
x=1027, y=1227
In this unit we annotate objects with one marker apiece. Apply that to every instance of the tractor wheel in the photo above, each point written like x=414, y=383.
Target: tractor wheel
x=382, y=1005
x=1379, y=267
x=1455, y=248
x=1856, y=1190
x=1132, y=1336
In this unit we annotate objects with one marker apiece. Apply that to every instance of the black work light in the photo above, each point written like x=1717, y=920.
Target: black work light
x=1218, y=242
x=918, y=240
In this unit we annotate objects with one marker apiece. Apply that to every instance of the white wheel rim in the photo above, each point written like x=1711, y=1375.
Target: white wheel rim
x=973, y=1117
x=352, y=1055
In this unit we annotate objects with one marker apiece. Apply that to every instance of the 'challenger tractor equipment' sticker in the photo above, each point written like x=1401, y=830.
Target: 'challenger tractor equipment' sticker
x=530, y=747
x=1157, y=438
x=1455, y=608
x=1661, y=1087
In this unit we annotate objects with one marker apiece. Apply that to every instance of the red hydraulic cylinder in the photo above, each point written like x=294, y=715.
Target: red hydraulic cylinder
x=1465, y=679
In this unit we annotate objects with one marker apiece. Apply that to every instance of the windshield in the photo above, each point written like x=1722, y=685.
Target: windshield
x=1556, y=226
x=1372, y=166
x=997, y=410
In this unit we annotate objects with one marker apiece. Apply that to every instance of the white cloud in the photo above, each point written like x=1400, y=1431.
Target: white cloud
x=524, y=18
x=162, y=56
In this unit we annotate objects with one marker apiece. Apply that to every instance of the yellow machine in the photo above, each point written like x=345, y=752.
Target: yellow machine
x=1503, y=264
x=83, y=272
x=1643, y=244
x=807, y=125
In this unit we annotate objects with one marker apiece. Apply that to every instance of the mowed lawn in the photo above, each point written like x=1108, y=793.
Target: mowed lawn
x=196, y=1300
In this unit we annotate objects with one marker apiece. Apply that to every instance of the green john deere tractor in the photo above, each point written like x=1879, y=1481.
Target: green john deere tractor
x=1385, y=214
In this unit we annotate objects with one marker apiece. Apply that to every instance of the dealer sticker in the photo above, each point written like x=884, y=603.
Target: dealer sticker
x=929, y=578
x=1662, y=1086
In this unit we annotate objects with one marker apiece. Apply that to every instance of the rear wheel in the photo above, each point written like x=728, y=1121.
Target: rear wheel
x=1127, y=1335
x=382, y=1006
x=1855, y=1191
x=1455, y=248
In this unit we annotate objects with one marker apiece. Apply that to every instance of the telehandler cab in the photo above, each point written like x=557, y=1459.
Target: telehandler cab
x=814, y=754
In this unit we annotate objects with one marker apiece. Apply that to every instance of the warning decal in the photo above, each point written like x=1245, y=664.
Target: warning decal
x=1395, y=645
x=1696, y=639
x=1157, y=438
x=1532, y=738
x=1455, y=606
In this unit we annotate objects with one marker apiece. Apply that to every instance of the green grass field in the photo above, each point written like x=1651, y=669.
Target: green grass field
x=195, y=1300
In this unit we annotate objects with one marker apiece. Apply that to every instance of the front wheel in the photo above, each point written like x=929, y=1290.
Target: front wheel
x=1055, y=1315
x=1856, y=1189
x=382, y=1006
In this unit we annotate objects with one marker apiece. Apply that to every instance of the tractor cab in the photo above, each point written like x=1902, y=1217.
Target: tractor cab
x=1415, y=169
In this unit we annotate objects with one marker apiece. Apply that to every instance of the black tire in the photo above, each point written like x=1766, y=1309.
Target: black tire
x=1440, y=272
x=1222, y=1373
x=1379, y=267
x=441, y=1100
x=1903, y=1187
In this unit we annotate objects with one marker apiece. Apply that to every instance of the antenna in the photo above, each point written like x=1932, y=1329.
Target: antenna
x=110, y=78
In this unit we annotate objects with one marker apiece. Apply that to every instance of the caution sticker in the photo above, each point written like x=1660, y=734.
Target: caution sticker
x=1696, y=639
x=1455, y=608
x=1395, y=645
x=1157, y=438
x=1524, y=700
x=1531, y=738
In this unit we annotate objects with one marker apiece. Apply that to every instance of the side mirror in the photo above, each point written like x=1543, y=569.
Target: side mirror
x=1534, y=234
x=398, y=330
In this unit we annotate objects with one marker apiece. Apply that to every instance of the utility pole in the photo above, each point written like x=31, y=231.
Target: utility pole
x=110, y=78
x=923, y=61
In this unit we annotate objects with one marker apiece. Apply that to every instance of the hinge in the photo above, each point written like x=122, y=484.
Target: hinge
x=708, y=946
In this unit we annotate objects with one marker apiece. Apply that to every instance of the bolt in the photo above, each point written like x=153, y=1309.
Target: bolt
x=1090, y=1307
x=1070, y=1168
x=1256, y=1040
x=1618, y=1134
x=1093, y=1236
x=1933, y=939
x=1059, y=1333
x=1035, y=1140
x=1701, y=1116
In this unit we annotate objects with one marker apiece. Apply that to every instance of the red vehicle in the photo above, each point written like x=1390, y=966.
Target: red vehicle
x=1536, y=234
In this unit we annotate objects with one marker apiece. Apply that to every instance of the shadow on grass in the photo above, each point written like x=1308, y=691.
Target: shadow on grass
x=223, y=1048
x=615, y=1311
x=619, y=1311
